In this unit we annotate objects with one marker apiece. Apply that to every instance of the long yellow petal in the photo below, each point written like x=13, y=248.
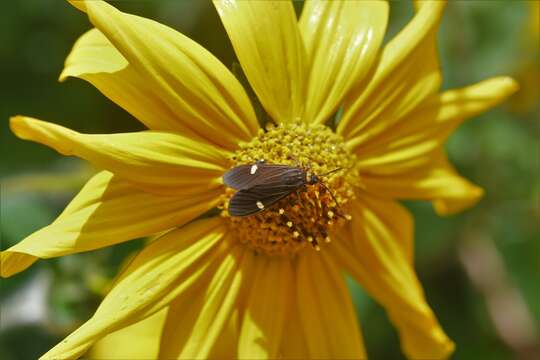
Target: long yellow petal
x=268, y=44
x=219, y=304
x=159, y=162
x=227, y=342
x=167, y=267
x=195, y=87
x=293, y=340
x=406, y=74
x=265, y=309
x=183, y=315
x=196, y=323
x=326, y=311
x=97, y=61
x=428, y=126
x=376, y=250
x=139, y=341
x=342, y=40
x=408, y=162
x=438, y=182
x=106, y=211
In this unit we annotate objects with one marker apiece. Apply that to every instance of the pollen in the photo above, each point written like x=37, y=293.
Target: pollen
x=306, y=217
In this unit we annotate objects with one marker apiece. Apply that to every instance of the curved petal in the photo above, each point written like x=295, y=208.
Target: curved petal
x=408, y=161
x=398, y=84
x=267, y=41
x=327, y=314
x=139, y=341
x=106, y=211
x=159, y=162
x=96, y=60
x=265, y=309
x=204, y=96
x=376, y=250
x=438, y=182
x=196, y=323
x=428, y=126
x=342, y=40
x=167, y=267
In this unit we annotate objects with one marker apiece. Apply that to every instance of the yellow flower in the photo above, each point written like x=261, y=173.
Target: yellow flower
x=253, y=287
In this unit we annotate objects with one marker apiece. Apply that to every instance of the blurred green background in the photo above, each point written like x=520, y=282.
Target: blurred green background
x=480, y=269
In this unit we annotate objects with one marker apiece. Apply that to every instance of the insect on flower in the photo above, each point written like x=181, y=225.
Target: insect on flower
x=242, y=284
x=261, y=185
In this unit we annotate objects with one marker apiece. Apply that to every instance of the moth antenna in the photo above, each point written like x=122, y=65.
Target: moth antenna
x=330, y=172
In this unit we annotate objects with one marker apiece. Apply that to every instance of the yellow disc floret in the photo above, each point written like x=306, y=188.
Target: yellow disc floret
x=307, y=215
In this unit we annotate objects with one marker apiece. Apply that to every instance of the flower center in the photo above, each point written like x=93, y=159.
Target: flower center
x=305, y=216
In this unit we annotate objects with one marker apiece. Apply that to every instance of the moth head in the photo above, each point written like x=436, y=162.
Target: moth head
x=312, y=179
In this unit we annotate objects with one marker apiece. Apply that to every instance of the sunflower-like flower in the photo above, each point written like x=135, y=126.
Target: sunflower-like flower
x=213, y=285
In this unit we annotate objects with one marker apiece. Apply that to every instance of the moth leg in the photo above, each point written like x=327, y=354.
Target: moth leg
x=298, y=197
x=299, y=192
x=318, y=203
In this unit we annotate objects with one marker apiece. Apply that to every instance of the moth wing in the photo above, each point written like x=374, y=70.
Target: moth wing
x=246, y=176
x=238, y=177
x=258, y=198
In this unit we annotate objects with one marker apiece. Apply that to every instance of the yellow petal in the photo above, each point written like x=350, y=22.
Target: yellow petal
x=166, y=268
x=406, y=74
x=265, y=309
x=159, y=162
x=220, y=302
x=327, y=314
x=107, y=211
x=181, y=319
x=436, y=180
x=195, y=324
x=427, y=128
x=342, y=39
x=182, y=315
x=95, y=60
x=376, y=250
x=138, y=341
x=196, y=88
x=293, y=341
x=407, y=161
x=226, y=345
x=268, y=44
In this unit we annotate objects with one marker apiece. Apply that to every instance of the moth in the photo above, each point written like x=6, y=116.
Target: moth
x=260, y=185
